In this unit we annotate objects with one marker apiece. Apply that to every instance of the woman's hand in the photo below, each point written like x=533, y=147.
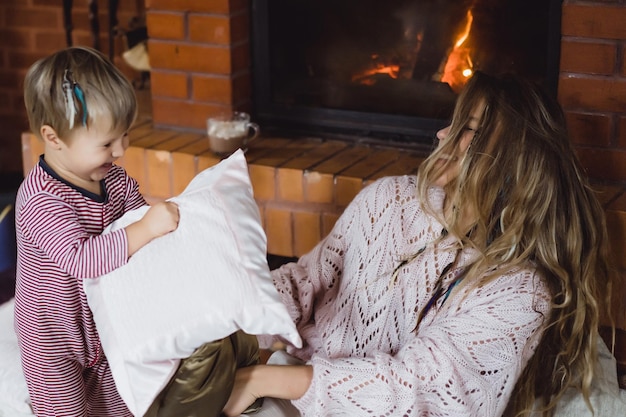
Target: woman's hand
x=278, y=381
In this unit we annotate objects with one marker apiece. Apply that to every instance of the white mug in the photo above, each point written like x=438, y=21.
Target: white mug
x=227, y=133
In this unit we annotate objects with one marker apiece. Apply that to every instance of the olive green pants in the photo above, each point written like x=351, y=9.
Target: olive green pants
x=203, y=382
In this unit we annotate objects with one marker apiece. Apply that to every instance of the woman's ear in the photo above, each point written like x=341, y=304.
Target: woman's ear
x=50, y=137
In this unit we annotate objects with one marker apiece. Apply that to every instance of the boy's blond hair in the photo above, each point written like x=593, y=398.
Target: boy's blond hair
x=77, y=87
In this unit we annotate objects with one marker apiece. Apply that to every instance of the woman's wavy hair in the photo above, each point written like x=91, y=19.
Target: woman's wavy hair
x=108, y=94
x=534, y=206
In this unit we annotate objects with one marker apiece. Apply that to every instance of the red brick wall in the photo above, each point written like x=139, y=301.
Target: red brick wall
x=200, y=59
x=592, y=84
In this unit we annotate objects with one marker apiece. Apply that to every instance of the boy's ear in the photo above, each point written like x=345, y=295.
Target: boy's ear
x=50, y=137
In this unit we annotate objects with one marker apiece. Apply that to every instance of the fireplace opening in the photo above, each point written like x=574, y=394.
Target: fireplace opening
x=390, y=71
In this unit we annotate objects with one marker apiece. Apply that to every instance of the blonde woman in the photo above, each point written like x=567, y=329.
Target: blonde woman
x=472, y=289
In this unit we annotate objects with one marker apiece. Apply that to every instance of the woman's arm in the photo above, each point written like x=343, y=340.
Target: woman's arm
x=288, y=382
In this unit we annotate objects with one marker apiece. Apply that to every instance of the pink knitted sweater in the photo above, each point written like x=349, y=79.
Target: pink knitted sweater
x=358, y=327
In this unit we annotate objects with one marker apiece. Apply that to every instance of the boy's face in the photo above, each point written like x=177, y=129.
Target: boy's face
x=87, y=154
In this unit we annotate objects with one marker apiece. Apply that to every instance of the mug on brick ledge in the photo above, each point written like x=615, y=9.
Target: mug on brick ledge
x=229, y=132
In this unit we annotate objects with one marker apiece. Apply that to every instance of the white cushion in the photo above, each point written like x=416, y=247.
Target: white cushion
x=200, y=283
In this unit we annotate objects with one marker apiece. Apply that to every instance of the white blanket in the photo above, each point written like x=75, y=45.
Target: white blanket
x=14, y=400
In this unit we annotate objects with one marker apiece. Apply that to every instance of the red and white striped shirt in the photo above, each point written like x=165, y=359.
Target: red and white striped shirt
x=59, y=244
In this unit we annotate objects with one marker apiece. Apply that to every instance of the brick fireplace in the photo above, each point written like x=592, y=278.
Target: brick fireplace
x=200, y=54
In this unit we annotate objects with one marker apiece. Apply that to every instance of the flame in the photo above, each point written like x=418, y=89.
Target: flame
x=379, y=68
x=458, y=67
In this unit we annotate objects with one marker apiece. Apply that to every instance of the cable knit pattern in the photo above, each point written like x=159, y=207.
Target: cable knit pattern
x=358, y=327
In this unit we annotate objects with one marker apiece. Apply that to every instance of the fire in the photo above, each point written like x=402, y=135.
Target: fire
x=458, y=66
x=380, y=68
x=455, y=69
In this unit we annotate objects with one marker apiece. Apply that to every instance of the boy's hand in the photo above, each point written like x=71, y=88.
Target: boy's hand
x=159, y=220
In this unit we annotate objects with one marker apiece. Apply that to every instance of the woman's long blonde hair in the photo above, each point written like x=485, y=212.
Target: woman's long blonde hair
x=533, y=205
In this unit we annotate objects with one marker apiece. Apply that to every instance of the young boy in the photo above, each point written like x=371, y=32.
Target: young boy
x=81, y=107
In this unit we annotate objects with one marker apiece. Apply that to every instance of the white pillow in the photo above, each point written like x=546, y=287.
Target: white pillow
x=200, y=283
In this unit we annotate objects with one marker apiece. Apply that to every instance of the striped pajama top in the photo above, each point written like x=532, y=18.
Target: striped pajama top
x=59, y=243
